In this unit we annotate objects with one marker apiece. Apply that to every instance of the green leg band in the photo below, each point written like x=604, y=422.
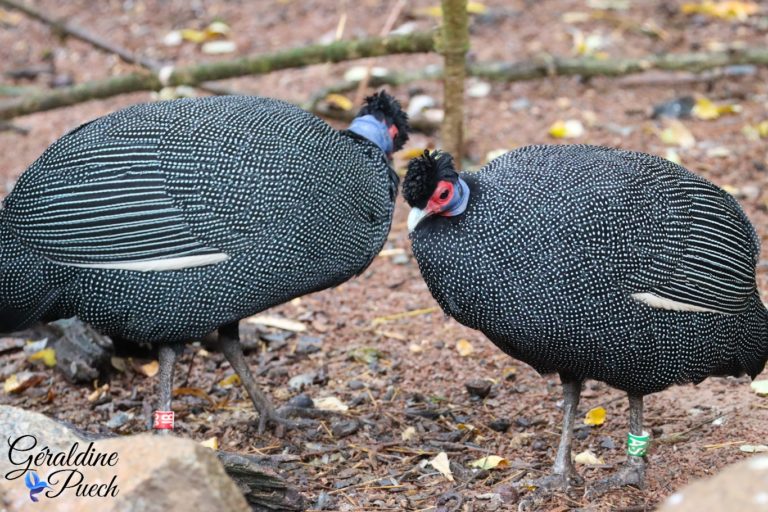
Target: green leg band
x=637, y=446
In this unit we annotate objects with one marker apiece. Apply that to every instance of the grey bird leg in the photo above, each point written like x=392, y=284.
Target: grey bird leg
x=563, y=472
x=167, y=356
x=229, y=343
x=633, y=471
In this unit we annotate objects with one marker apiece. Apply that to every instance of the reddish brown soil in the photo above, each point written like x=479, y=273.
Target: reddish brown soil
x=353, y=470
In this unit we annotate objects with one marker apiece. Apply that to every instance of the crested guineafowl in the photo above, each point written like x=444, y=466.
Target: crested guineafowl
x=594, y=263
x=164, y=222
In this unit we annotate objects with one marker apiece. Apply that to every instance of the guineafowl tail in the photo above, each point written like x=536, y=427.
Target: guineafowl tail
x=752, y=351
x=25, y=293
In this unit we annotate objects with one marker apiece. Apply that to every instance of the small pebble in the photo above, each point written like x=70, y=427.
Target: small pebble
x=302, y=401
x=308, y=345
x=499, y=425
x=522, y=422
x=119, y=419
x=478, y=388
x=299, y=381
x=607, y=443
x=539, y=445
x=345, y=428
x=355, y=384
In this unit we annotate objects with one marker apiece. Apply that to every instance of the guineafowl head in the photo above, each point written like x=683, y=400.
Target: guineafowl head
x=433, y=187
x=382, y=121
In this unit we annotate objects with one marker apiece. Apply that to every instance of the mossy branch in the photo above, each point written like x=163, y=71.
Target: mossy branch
x=418, y=42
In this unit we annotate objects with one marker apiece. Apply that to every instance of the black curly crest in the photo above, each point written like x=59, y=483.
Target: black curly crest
x=386, y=108
x=423, y=174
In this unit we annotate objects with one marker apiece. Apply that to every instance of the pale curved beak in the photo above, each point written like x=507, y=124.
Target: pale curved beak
x=416, y=215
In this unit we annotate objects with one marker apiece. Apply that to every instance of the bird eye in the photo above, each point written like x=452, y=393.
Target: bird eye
x=444, y=195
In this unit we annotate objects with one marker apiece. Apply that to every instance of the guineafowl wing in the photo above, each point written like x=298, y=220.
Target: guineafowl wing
x=701, y=250
x=185, y=182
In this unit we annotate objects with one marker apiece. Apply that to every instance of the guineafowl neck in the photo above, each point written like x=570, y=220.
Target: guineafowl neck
x=373, y=130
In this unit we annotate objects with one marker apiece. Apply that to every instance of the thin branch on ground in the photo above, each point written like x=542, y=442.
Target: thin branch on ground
x=419, y=42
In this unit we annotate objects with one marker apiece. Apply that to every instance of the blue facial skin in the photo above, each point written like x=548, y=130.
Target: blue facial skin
x=374, y=130
x=458, y=202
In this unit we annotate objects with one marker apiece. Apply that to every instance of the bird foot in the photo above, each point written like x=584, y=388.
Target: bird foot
x=630, y=474
x=555, y=481
x=542, y=488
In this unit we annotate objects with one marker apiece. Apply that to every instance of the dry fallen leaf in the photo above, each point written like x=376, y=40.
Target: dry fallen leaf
x=277, y=323
x=47, y=356
x=726, y=10
x=760, y=387
x=440, y=463
x=98, y=393
x=676, y=134
x=331, y=403
x=588, y=458
x=232, y=380
x=198, y=392
x=464, y=347
x=150, y=369
x=211, y=442
x=753, y=448
x=569, y=129
x=339, y=101
x=408, y=434
x=595, y=416
x=706, y=109
x=490, y=462
x=218, y=47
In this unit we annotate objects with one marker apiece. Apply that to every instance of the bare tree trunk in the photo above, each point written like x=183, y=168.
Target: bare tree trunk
x=454, y=43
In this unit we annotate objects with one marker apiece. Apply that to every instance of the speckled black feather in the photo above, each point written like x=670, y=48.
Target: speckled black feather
x=285, y=204
x=386, y=108
x=557, y=241
x=423, y=175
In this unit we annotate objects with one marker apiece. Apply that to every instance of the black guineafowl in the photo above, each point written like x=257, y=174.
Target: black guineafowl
x=164, y=222
x=594, y=263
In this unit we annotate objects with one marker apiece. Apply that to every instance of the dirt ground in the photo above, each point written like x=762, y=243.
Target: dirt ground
x=402, y=375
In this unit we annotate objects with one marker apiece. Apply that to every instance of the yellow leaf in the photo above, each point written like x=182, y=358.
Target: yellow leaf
x=217, y=28
x=464, y=347
x=277, y=322
x=330, y=403
x=441, y=463
x=588, y=458
x=726, y=10
x=415, y=348
x=676, y=134
x=706, y=109
x=192, y=35
x=197, y=392
x=211, y=442
x=11, y=384
x=490, y=462
x=595, y=416
x=411, y=153
x=150, y=369
x=760, y=387
x=232, y=380
x=569, y=129
x=339, y=101
x=47, y=356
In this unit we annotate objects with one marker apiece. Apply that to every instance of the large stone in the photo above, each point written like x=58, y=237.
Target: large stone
x=742, y=486
x=135, y=473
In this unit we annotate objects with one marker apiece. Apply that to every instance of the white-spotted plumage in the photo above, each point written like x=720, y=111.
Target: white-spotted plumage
x=163, y=221
x=561, y=248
